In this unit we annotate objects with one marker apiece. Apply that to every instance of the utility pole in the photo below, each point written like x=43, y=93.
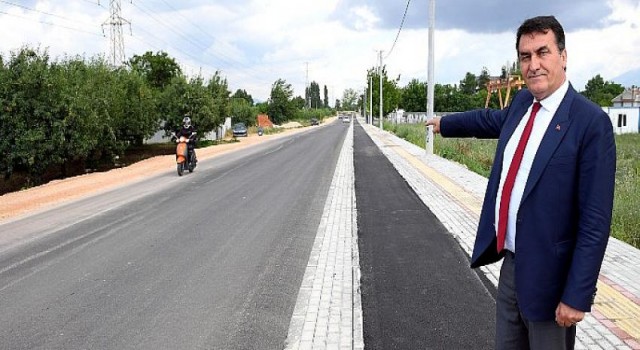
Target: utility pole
x=371, y=97
x=430, y=85
x=115, y=22
x=306, y=88
x=364, y=105
x=380, y=72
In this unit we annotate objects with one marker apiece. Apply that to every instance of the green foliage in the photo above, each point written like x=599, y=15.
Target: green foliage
x=477, y=155
x=391, y=93
x=241, y=93
x=304, y=115
x=483, y=79
x=298, y=102
x=241, y=111
x=53, y=114
x=312, y=96
x=448, y=98
x=469, y=85
x=601, y=92
x=626, y=221
x=218, y=89
x=349, y=100
x=206, y=105
x=31, y=113
x=414, y=96
x=326, y=97
x=158, y=69
x=281, y=107
x=262, y=107
x=413, y=133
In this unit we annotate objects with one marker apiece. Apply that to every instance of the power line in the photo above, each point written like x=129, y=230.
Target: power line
x=202, y=50
x=34, y=10
x=399, y=29
x=52, y=24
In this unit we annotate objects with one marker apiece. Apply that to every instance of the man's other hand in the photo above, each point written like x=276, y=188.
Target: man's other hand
x=566, y=316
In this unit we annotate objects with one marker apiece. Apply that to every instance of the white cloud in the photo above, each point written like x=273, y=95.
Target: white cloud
x=256, y=42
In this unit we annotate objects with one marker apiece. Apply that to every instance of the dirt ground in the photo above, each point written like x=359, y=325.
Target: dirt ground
x=15, y=204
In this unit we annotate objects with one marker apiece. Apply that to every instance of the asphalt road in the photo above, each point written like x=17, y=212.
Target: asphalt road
x=418, y=291
x=213, y=259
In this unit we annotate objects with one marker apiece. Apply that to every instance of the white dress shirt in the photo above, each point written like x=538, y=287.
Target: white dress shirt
x=540, y=125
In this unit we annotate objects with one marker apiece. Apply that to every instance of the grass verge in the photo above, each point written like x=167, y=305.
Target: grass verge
x=477, y=155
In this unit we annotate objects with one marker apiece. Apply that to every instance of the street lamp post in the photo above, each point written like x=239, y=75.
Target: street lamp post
x=380, y=72
x=430, y=84
x=371, y=97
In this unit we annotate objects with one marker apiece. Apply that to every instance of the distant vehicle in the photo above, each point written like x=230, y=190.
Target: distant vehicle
x=314, y=121
x=346, y=119
x=239, y=129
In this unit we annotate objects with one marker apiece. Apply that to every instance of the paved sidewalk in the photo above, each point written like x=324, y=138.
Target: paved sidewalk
x=454, y=194
x=328, y=310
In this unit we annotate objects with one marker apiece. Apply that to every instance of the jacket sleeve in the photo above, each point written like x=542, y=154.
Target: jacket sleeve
x=595, y=181
x=479, y=123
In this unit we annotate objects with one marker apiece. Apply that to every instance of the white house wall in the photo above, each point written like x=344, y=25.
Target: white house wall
x=633, y=119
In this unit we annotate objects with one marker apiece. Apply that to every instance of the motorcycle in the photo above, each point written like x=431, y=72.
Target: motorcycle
x=185, y=159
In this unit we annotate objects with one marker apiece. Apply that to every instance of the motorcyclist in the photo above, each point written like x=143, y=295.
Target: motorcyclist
x=187, y=130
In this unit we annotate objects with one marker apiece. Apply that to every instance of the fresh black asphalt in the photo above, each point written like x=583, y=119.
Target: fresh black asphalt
x=210, y=260
x=418, y=291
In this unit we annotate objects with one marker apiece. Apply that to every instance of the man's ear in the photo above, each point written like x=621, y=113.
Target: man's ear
x=563, y=56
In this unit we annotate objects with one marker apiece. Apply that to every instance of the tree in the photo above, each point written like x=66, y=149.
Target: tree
x=483, y=79
x=469, y=85
x=349, y=100
x=157, y=68
x=28, y=114
x=298, y=102
x=414, y=96
x=326, y=97
x=280, y=105
x=244, y=95
x=241, y=111
x=219, y=90
x=313, y=96
x=391, y=93
x=601, y=92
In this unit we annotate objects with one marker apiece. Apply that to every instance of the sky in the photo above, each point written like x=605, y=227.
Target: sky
x=332, y=42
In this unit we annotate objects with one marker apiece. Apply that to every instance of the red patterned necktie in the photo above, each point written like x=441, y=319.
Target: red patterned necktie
x=503, y=215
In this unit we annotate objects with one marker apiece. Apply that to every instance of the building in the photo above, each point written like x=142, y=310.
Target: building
x=625, y=112
x=628, y=98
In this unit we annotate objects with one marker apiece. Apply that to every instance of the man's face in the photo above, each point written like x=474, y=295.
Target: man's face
x=542, y=64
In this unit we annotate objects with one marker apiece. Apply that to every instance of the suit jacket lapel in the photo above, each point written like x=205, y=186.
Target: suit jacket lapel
x=555, y=133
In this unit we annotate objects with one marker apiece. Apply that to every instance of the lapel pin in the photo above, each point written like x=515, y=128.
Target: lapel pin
x=558, y=127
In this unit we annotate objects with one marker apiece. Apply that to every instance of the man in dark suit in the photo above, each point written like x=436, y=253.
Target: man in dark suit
x=547, y=208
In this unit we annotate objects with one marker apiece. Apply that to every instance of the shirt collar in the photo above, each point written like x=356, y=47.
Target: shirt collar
x=552, y=102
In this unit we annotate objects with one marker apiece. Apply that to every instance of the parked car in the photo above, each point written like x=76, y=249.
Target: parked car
x=239, y=129
x=314, y=121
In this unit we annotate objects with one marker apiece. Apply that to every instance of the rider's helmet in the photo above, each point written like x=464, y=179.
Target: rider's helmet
x=186, y=121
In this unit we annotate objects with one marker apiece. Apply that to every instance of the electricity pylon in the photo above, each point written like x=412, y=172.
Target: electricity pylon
x=115, y=22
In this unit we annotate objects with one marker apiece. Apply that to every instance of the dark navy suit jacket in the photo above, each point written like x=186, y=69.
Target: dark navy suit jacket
x=564, y=219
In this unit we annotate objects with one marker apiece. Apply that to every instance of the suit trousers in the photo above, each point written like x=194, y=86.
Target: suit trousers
x=513, y=330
